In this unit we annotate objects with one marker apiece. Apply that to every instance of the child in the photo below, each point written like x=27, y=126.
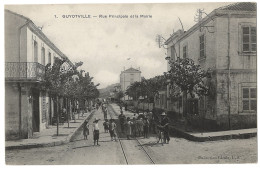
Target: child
x=112, y=129
x=106, y=125
x=96, y=131
x=85, y=130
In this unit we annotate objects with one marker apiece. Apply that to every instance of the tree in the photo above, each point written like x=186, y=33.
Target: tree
x=119, y=95
x=153, y=85
x=186, y=76
x=54, y=83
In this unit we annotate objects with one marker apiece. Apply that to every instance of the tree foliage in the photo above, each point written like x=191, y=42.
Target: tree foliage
x=186, y=76
x=71, y=83
x=147, y=88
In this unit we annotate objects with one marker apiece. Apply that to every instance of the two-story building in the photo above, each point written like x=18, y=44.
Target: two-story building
x=27, y=51
x=127, y=77
x=223, y=42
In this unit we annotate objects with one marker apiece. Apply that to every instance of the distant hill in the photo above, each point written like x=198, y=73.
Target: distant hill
x=105, y=92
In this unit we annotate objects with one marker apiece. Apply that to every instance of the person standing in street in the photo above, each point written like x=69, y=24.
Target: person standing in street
x=140, y=126
x=95, y=130
x=106, y=125
x=122, y=119
x=128, y=128
x=112, y=129
x=165, y=126
x=146, y=127
x=85, y=130
x=134, y=127
x=105, y=112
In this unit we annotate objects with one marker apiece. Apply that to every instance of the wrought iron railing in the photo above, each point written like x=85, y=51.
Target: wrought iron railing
x=24, y=71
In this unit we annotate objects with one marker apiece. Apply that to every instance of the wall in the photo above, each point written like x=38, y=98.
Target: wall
x=238, y=59
x=12, y=25
x=11, y=111
x=31, y=36
x=240, y=76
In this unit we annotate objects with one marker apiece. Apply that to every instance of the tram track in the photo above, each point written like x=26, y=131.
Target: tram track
x=114, y=115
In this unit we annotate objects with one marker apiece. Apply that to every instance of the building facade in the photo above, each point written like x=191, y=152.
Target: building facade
x=127, y=77
x=224, y=44
x=27, y=51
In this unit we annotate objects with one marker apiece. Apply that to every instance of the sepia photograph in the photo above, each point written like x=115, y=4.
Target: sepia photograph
x=130, y=83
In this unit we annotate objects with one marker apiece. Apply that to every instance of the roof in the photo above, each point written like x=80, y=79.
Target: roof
x=245, y=7
x=39, y=32
x=132, y=70
x=240, y=6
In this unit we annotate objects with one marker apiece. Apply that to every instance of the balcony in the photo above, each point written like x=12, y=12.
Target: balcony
x=24, y=71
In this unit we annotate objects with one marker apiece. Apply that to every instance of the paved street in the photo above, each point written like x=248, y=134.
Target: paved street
x=82, y=151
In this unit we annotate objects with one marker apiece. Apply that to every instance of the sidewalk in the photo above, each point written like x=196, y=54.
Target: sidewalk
x=48, y=137
x=203, y=136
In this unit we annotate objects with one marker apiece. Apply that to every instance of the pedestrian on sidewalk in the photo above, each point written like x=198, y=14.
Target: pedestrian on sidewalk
x=106, y=125
x=125, y=106
x=121, y=108
x=112, y=129
x=95, y=130
x=165, y=126
x=85, y=130
x=146, y=127
x=122, y=120
x=128, y=128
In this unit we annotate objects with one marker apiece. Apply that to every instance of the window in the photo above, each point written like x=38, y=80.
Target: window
x=248, y=39
x=49, y=57
x=202, y=46
x=184, y=52
x=35, y=49
x=43, y=56
x=249, y=102
x=131, y=78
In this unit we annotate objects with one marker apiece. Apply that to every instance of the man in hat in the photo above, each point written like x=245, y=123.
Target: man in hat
x=122, y=120
x=165, y=126
x=95, y=129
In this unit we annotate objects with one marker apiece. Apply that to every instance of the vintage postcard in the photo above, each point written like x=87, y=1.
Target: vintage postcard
x=119, y=84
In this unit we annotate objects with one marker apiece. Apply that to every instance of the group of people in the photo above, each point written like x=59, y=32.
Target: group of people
x=109, y=126
x=135, y=127
x=144, y=125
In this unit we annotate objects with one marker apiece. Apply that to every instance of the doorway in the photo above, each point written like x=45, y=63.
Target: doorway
x=36, y=111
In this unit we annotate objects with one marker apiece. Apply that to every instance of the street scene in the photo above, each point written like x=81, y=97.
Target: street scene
x=131, y=84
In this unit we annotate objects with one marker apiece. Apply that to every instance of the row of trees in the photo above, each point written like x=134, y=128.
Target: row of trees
x=183, y=77
x=72, y=84
x=147, y=88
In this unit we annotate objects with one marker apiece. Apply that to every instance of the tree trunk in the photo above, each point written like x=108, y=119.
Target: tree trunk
x=67, y=109
x=58, y=112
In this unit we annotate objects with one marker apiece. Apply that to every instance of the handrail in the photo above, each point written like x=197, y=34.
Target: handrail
x=24, y=71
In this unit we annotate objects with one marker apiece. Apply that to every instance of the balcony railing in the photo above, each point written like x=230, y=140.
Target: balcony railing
x=31, y=71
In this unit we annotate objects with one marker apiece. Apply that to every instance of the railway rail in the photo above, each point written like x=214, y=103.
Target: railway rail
x=114, y=115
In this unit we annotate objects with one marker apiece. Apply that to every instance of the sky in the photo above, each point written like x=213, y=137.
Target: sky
x=108, y=45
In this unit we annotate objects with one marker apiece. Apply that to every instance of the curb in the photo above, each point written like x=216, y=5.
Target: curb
x=209, y=138
x=51, y=144
x=71, y=137
x=212, y=138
